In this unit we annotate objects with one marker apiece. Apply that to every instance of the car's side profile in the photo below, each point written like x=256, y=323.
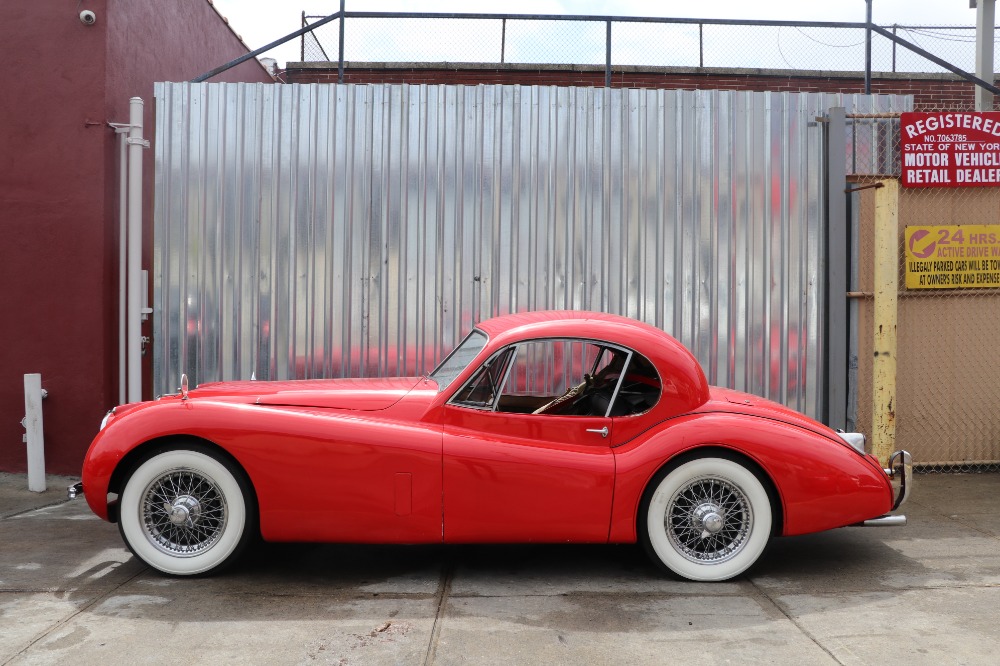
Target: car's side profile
x=540, y=427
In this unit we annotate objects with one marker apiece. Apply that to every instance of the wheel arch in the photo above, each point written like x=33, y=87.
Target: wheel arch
x=142, y=452
x=715, y=450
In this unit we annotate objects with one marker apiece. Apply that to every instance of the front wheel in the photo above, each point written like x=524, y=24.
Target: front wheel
x=709, y=519
x=186, y=511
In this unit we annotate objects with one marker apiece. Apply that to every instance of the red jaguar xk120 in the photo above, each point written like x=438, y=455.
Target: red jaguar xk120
x=541, y=427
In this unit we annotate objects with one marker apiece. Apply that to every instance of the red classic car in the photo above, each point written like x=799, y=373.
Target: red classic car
x=540, y=427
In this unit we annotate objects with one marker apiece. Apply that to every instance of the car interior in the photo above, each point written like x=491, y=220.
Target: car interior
x=563, y=378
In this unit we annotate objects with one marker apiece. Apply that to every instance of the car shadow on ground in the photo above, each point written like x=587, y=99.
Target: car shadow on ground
x=588, y=585
x=835, y=557
x=360, y=565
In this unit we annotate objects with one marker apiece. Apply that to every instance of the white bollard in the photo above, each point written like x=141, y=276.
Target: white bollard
x=33, y=394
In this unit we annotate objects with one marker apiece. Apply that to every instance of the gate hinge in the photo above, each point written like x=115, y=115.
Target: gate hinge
x=137, y=142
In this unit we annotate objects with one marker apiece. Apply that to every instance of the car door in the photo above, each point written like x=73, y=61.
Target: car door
x=511, y=474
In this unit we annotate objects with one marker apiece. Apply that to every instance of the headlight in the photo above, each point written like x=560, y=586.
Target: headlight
x=107, y=417
x=856, y=441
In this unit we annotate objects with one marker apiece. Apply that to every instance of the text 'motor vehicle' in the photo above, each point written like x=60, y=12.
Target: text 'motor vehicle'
x=540, y=427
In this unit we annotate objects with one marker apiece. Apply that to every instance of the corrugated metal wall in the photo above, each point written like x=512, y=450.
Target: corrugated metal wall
x=323, y=231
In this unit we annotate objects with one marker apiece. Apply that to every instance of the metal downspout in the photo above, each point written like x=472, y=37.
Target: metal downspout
x=122, y=261
x=134, y=296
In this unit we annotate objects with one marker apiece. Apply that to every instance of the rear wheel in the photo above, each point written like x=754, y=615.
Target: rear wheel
x=708, y=519
x=186, y=511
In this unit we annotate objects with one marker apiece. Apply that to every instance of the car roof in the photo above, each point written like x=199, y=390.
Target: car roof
x=685, y=384
x=511, y=322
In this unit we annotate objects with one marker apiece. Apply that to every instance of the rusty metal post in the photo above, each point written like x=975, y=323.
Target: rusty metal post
x=886, y=292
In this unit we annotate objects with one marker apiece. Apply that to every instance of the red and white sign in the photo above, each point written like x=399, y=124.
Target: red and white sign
x=950, y=149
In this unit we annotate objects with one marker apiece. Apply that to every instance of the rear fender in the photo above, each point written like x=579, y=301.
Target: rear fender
x=820, y=483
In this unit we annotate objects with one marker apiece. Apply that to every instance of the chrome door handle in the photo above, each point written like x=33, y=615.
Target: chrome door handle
x=603, y=432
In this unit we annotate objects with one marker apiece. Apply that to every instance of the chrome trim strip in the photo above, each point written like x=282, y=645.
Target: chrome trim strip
x=618, y=384
x=884, y=521
x=506, y=375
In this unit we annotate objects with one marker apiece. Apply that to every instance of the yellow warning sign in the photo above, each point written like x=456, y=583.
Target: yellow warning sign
x=965, y=256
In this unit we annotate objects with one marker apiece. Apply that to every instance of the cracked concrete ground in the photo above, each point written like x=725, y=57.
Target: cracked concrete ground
x=927, y=593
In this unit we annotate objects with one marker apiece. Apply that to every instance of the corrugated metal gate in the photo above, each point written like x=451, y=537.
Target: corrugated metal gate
x=323, y=231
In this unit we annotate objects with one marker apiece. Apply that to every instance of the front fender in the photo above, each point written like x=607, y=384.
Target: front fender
x=821, y=483
x=138, y=425
x=318, y=474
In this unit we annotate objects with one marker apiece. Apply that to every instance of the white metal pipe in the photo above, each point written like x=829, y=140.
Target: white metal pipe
x=134, y=332
x=35, y=436
x=985, y=15
x=122, y=263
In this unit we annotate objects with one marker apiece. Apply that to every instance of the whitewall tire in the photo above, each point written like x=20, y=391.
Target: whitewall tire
x=708, y=519
x=186, y=511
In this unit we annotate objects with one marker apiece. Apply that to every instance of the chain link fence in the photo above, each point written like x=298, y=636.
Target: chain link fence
x=945, y=407
x=648, y=42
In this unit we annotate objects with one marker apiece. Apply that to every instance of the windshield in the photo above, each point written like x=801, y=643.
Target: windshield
x=459, y=359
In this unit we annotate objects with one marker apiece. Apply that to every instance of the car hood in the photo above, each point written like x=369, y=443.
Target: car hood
x=353, y=394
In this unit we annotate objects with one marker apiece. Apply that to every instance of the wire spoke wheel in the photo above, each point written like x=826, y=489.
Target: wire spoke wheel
x=184, y=513
x=708, y=519
x=187, y=510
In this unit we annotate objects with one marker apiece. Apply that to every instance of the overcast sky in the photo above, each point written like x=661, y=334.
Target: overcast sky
x=262, y=21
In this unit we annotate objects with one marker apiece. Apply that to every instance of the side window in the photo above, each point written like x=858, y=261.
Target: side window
x=560, y=377
x=482, y=390
x=638, y=390
x=545, y=370
x=576, y=378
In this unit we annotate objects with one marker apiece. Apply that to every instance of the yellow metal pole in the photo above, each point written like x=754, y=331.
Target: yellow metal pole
x=885, y=288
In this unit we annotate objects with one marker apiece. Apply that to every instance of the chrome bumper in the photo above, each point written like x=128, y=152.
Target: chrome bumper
x=75, y=490
x=900, y=473
x=884, y=521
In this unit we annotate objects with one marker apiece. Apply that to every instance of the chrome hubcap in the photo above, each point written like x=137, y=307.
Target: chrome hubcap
x=709, y=517
x=183, y=513
x=185, y=510
x=708, y=520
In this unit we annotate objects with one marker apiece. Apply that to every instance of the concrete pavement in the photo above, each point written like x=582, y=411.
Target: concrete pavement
x=927, y=593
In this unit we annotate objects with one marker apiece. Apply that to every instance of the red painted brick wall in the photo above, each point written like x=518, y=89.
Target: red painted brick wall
x=59, y=194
